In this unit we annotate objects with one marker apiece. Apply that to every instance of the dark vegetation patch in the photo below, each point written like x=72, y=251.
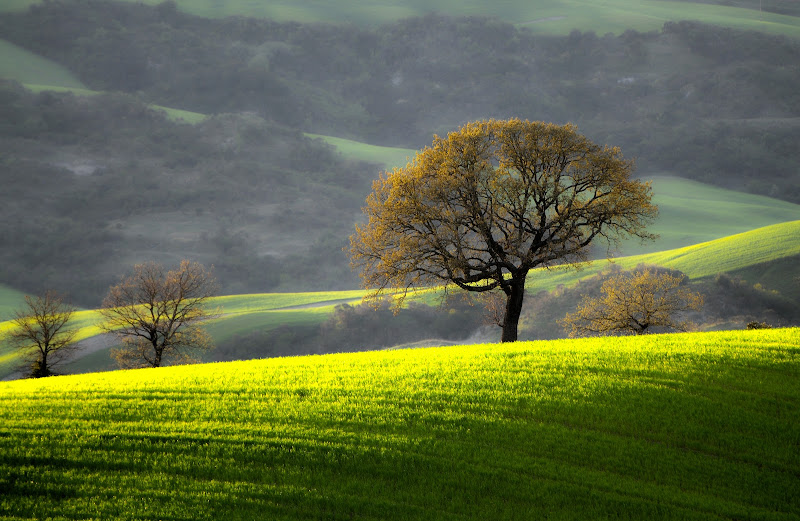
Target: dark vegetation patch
x=359, y=328
x=226, y=177
x=730, y=301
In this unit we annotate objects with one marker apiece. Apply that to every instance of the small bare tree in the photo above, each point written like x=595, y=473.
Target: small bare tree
x=157, y=314
x=41, y=330
x=635, y=302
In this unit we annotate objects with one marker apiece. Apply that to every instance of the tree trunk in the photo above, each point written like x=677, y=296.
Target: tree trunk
x=157, y=352
x=514, y=299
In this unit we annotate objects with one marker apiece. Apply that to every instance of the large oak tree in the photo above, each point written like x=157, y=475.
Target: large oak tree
x=157, y=314
x=491, y=202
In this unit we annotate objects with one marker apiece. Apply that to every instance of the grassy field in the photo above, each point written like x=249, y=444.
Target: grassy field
x=693, y=427
x=10, y=299
x=550, y=17
x=692, y=212
x=389, y=157
x=733, y=253
x=24, y=66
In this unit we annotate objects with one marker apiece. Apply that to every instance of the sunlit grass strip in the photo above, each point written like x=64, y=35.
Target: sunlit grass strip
x=172, y=114
x=700, y=260
x=389, y=157
x=690, y=426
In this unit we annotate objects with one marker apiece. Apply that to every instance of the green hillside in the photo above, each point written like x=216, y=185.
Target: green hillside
x=692, y=427
x=10, y=299
x=736, y=252
x=551, y=17
x=26, y=67
x=172, y=113
x=389, y=157
x=689, y=212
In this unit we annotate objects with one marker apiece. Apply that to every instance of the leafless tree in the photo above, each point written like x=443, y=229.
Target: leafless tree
x=157, y=314
x=41, y=330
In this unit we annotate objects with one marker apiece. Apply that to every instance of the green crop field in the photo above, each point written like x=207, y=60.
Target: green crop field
x=689, y=212
x=550, y=17
x=698, y=426
x=692, y=212
x=706, y=259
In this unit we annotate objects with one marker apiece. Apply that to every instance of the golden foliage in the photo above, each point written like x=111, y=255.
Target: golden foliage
x=495, y=199
x=635, y=302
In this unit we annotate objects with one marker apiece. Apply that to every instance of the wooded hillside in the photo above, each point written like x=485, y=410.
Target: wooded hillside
x=271, y=208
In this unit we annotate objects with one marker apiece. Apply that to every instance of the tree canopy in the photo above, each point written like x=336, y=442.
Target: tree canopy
x=495, y=199
x=637, y=302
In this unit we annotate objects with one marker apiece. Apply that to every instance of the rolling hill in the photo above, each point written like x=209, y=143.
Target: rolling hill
x=693, y=427
x=551, y=17
x=242, y=314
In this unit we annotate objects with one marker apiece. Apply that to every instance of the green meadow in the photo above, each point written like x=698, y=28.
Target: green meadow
x=26, y=67
x=697, y=426
x=389, y=157
x=548, y=17
x=10, y=299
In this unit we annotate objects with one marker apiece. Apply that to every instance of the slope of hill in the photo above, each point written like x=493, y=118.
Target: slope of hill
x=10, y=299
x=27, y=67
x=550, y=17
x=240, y=315
x=689, y=427
x=706, y=259
x=271, y=209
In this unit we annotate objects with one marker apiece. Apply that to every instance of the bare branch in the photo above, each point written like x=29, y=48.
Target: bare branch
x=157, y=314
x=41, y=331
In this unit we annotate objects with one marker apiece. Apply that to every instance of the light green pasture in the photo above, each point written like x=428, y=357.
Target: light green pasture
x=692, y=427
x=689, y=212
x=549, y=17
x=692, y=212
x=24, y=66
x=10, y=300
x=706, y=259
x=389, y=157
